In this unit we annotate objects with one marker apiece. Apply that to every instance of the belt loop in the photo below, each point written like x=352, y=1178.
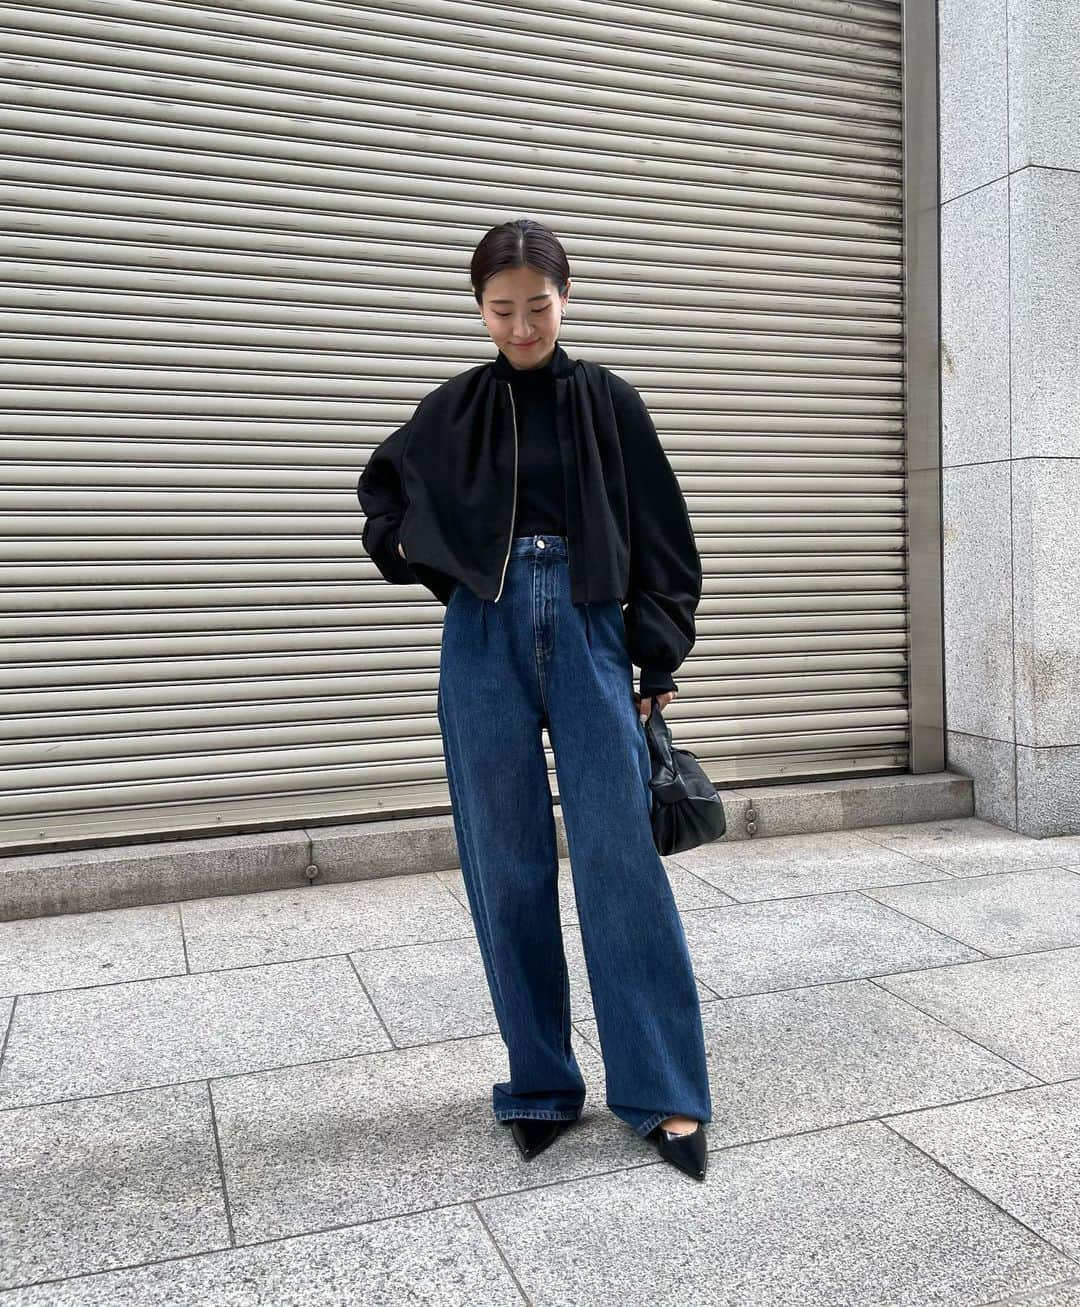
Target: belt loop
x=483, y=617
x=588, y=628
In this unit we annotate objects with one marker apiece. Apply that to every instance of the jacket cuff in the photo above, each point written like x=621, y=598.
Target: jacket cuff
x=653, y=681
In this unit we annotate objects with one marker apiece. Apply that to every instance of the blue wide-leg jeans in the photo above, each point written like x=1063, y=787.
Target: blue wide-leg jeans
x=507, y=668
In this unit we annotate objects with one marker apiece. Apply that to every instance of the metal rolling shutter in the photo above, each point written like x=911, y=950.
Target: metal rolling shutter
x=237, y=244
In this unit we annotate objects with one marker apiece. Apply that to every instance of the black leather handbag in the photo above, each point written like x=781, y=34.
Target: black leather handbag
x=687, y=810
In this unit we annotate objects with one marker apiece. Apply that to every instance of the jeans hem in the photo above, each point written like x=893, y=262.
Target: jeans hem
x=537, y=1116
x=651, y=1122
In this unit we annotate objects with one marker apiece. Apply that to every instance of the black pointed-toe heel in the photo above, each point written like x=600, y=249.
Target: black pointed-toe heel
x=688, y=1152
x=532, y=1136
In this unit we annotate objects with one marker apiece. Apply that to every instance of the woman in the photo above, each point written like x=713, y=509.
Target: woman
x=532, y=496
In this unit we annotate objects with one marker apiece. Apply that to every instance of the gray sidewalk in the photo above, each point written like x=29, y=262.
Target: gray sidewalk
x=285, y=1097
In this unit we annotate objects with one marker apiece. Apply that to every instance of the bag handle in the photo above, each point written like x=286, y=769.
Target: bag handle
x=666, y=782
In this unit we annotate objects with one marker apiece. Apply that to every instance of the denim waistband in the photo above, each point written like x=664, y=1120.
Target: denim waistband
x=539, y=546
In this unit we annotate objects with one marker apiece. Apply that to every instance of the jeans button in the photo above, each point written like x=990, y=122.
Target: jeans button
x=541, y=544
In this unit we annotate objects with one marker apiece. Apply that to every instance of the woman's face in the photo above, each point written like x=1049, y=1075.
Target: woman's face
x=522, y=311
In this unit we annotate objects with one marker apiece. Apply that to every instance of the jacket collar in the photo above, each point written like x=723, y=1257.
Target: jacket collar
x=559, y=365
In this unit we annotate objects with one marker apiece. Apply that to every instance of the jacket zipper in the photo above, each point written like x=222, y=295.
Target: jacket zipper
x=513, y=510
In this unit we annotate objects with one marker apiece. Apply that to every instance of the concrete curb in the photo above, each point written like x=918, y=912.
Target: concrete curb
x=131, y=875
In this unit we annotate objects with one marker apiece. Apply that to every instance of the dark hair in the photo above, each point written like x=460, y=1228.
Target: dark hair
x=518, y=244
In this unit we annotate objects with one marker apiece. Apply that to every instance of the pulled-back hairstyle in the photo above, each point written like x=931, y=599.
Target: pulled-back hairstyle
x=518, y=244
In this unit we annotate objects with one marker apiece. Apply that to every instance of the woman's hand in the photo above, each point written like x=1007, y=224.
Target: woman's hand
x=645, y=705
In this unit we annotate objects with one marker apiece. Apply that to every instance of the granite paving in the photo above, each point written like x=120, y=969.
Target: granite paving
x=285, y=1096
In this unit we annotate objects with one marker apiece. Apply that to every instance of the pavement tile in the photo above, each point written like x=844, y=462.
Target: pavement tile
x=1066, y=848
x=780, y=943
x=90, y=948
x=237, y=930
x=428, y=992
x=1025, y=1008
x=1004, y=912
x=364, y=1138
x=968, y=846
x=77, y=1042
x=106, y=1182
x=442, y=1258
x=781, y=866
x=850, y=1217
x=829, y=1055
x=1022, y=1150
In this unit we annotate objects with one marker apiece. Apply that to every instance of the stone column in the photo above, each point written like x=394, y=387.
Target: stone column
x=1009, y=86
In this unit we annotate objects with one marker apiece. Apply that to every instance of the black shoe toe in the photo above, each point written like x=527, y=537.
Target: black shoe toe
x=688, y=1152
x=532, y=1136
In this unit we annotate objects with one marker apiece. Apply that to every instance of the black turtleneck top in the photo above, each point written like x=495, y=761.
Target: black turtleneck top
x=541, y=502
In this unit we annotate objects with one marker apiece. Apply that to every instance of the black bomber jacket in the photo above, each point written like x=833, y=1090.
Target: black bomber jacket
x=444, y=484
